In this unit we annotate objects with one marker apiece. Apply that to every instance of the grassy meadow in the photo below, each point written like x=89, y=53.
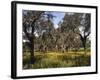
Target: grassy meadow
x=54, y=39
x=57, y=59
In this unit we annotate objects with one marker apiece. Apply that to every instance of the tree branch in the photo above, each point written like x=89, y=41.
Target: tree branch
x=33, y=23
x=88, y=34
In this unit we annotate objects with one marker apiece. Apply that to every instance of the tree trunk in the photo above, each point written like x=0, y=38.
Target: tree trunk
x=84, y=48
x=83, y=39
x=63, y=48
x=32, y=59
x=84, y=45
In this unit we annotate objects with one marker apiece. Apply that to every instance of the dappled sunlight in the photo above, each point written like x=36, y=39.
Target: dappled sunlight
x=57, y=59
x=56, y=39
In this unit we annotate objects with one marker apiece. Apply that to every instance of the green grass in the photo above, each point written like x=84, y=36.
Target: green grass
x=56, y=60
x=82, y=50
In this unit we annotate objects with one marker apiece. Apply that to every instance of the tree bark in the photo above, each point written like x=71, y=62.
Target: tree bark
x=83, y=39
x=32, y=59
x=84, y=45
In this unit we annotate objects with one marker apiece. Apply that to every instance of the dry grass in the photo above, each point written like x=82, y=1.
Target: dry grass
x=57, y=59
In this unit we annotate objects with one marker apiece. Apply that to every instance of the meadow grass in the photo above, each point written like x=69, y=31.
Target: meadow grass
x=57, y=59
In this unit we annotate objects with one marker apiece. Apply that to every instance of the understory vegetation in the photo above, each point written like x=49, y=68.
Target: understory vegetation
x=57, y=60
x=56, y=39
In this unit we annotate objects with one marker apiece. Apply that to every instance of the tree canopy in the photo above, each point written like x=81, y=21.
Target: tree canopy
x=40, y=34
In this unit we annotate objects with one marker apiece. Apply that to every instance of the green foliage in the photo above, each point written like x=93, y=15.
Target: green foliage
x=56, y=60
x=69, y=43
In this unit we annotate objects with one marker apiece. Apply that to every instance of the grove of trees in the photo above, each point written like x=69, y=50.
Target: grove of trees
x=40, y=34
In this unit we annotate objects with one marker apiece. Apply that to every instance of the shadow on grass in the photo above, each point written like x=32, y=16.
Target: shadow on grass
x=56, y=60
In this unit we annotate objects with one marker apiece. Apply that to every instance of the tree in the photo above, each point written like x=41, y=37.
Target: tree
x=79, y=23
x=29, y=20
x=35, y=23
x=85, y=29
